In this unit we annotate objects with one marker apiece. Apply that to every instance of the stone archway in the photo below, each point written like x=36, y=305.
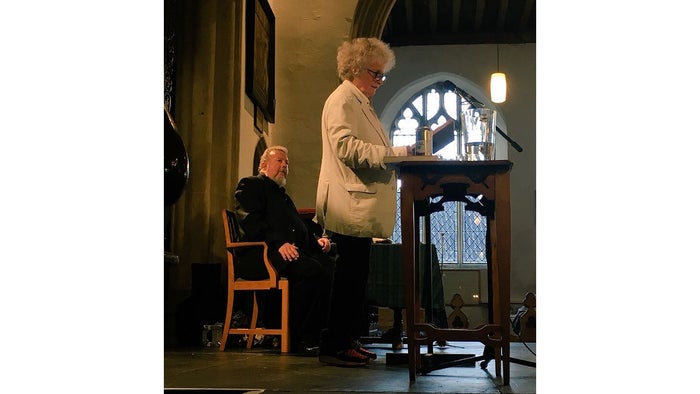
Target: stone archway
x=370, y=18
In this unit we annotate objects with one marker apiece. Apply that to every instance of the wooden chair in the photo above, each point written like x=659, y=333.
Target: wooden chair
x=526, y=321
x=232, y=234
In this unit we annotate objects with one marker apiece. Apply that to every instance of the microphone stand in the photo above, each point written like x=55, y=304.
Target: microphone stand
x=514, y=144
x=479, y=104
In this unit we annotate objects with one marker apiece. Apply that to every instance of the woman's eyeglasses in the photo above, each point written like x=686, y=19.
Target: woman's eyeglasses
x=376, y=75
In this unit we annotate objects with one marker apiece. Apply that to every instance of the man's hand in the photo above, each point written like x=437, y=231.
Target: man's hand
x=325, y=244
x=289, y=251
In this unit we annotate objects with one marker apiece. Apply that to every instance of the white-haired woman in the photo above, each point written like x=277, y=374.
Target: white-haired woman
x=356, y=195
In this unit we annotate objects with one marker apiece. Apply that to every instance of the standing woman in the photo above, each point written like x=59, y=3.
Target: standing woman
x=356, y=195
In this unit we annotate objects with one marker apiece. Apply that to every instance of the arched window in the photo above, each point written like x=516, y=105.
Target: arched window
x=459, y=235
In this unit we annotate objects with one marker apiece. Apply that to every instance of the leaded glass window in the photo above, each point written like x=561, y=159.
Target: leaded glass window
x=459, y=235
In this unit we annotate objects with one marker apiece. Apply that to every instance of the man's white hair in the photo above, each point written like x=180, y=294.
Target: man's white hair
x=268, y=152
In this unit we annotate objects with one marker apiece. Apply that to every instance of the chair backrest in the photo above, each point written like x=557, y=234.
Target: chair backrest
x=232, y=235
x=231, y=228
x=307, y=213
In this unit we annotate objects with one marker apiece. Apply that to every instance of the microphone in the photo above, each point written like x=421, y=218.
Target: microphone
x=469, y=98
x=451, y=86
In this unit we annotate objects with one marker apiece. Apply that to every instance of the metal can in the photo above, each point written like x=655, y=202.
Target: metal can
x=428, y=141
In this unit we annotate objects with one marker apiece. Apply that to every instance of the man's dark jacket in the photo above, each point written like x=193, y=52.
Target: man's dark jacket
x=266, y=213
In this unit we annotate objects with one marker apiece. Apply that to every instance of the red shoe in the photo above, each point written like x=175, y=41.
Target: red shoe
x=357, y=345
x=344, y=358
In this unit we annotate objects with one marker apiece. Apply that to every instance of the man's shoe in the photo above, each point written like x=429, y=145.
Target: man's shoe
x=357, y=345
x=344, y=358
x=305, y=349
x=395, y=336
x=307, y=352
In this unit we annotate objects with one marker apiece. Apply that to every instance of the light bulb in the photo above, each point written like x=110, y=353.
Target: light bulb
x=498, y=87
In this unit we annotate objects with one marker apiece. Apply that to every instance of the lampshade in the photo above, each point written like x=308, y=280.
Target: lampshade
x=498, y=87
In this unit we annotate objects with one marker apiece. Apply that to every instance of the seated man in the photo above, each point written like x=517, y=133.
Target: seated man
x=298, y=252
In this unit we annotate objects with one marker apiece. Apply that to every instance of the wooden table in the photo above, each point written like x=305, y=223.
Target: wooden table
x=425, y=184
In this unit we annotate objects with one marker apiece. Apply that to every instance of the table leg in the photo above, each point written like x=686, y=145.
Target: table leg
x=502, y=268
x=409, y=271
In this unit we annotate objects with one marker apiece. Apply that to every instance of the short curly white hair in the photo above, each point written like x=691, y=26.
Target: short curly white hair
x=355, y=55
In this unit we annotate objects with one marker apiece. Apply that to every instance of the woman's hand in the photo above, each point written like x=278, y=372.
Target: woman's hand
x=325, y=244
x=289, y=251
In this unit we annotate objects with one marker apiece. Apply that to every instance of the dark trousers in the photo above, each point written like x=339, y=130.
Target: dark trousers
x=347, y=308
x=310, y=279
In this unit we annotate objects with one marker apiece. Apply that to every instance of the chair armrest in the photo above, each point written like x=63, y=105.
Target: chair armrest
x=248, y=243
x=271, y=271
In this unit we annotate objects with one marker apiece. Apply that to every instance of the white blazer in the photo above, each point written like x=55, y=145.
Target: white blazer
x=356, y=192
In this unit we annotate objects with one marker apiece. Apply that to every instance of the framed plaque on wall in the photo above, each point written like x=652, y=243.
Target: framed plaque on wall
x=260, y=57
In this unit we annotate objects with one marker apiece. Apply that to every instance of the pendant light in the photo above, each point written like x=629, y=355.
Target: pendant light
x=498, y=82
